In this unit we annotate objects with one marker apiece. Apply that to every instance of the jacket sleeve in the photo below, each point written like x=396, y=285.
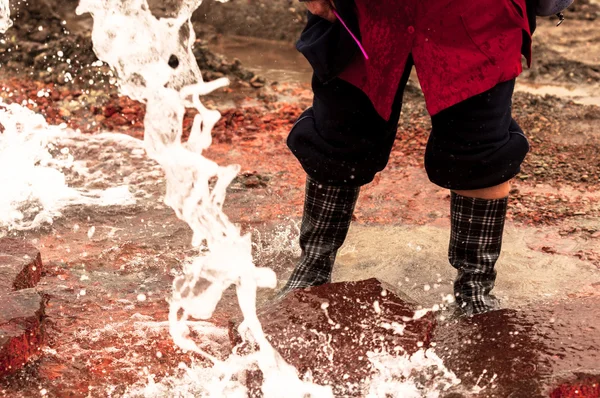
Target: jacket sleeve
x=327, y=46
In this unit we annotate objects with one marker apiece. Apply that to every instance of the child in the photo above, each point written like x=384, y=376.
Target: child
x=467, y=55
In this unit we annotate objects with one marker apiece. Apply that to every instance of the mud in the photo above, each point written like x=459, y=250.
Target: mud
x=266, y=19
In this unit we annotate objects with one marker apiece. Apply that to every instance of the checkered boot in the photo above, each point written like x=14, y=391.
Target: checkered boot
x=325, y=223
x=475, y=243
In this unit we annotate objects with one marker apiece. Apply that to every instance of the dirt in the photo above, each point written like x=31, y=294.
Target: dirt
x=57, y=48
x=266, y=19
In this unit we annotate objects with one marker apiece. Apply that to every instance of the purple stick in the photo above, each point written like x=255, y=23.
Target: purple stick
x=351, y=34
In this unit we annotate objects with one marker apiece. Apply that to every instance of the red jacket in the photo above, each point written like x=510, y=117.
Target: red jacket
x=461, y=48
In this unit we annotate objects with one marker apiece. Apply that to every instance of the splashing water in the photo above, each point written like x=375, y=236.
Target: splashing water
x=154, y=63
x=38, y=191
x=5, y=21
x=34, y=189
x=395, y=375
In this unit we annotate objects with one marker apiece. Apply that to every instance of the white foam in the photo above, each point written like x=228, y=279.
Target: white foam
x=396, y=375
x=34, y=187
x=138, y=46
x=5, y=21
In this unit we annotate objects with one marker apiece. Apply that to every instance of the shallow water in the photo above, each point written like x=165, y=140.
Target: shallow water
x=585, y=95
x=136, y=250
x=277, y=61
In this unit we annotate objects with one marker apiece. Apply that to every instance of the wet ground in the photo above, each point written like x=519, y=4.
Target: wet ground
x=108, y=271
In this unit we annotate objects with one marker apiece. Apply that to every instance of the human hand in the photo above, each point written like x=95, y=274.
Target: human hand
x=321, y=8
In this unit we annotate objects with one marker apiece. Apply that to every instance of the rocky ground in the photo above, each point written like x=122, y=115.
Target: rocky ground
x=101, y=338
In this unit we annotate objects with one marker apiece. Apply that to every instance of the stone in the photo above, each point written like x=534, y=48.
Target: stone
x=525, y=352
x=21, y=328
x=589, y=388
x=21, y=307
x=20, y=265
x=328, y=330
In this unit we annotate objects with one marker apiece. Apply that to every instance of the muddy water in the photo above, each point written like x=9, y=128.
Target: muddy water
x=413, y=259
x=585, y=95
x=277, y=61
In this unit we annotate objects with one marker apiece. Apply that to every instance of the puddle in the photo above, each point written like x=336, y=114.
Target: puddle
x=414, y=261
x=277, y=61
x=589, y=95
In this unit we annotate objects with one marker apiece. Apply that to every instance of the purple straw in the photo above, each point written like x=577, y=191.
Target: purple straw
x=351, y=34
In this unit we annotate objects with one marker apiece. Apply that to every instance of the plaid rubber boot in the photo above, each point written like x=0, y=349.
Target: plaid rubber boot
x=325, y=223
x=475, y=243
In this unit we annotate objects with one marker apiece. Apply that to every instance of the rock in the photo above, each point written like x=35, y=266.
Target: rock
x=20, y=265
x=526, y=350
x=328, y=331
x=21, y=308
x=21, y=328
x=589, y=388
x=64, y=113
x=110, y=110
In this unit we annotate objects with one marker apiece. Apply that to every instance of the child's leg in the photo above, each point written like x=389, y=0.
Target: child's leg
x=474, y=149
x=342, y=143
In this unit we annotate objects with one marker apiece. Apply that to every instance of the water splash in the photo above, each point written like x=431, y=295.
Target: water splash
x=34, y=187
x=154, y=63
x=421, y=374
x=5, y=21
